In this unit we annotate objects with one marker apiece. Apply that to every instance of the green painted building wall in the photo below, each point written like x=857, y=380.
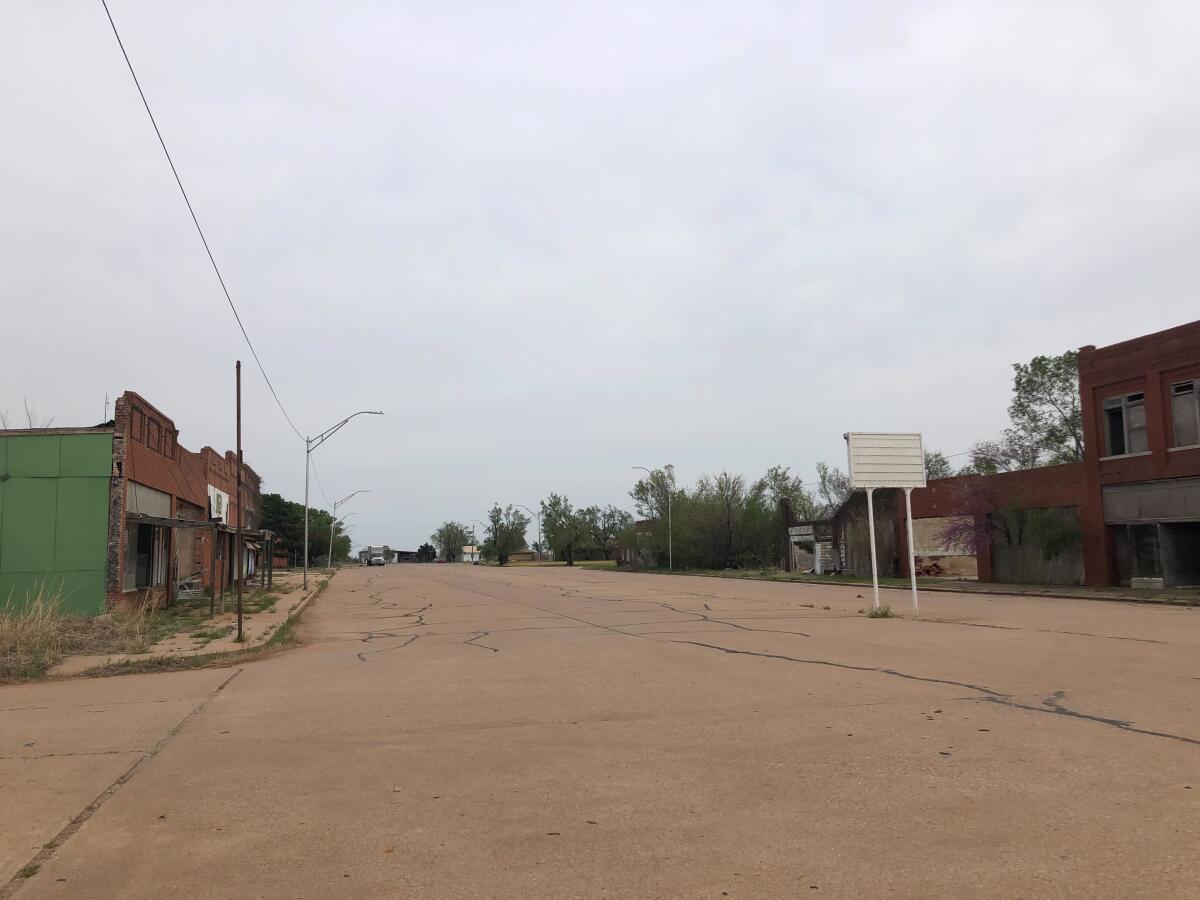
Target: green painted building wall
x=54, y=516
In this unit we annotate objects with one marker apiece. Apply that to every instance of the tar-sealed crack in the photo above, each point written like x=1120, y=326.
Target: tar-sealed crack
x=1052, y=704
x=362, y=655
x=479, y=635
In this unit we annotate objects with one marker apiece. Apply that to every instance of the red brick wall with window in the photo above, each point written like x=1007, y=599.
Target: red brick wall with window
x=1150, y=366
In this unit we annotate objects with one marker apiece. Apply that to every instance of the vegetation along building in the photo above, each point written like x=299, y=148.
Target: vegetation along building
x=1127, y=514
x=120, y=512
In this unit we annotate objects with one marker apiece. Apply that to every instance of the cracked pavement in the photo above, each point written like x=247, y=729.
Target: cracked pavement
x=626, y=736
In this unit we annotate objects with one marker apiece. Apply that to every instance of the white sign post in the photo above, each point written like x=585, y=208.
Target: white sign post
x=887, y=461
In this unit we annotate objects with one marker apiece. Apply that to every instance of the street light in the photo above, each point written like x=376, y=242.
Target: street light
x=311, y=444
x=333, y=524
x=539, y=521
x=670, y=469
x=475, y=540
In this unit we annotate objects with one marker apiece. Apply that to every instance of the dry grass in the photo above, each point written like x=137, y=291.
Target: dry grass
x=36, y=633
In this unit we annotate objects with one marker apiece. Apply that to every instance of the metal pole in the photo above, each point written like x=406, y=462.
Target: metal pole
x=670, y=535
x=271, y=564
x=224, y=568
x=239, y=547
x=307, y=451
x=212, y=573
x=871, y=526
x=912, y=558
x=332, y=526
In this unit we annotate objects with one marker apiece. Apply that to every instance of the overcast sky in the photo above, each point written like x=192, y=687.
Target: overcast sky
x=554, y=241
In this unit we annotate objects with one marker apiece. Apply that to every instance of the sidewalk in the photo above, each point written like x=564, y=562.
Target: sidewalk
x=219, y=633
x=1172, y=596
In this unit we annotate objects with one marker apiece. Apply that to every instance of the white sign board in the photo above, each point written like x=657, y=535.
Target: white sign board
x=882, y=460
x=218, y=502
x=886, y=460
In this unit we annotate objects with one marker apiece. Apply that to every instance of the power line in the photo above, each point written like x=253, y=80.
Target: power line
x=196, y=221
x=319, y=485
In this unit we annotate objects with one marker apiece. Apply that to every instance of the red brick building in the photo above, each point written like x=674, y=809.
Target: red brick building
x=1000, y=518
x=1129, y=513
x=1141, y=422
x=171, y=514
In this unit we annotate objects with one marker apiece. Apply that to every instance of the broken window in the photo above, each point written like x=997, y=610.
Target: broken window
x=1143, y=544
x=1185, y=413
x=145, y=556
x=1125, y=424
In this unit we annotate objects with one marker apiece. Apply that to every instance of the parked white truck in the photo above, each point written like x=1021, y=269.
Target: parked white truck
x=377, y=556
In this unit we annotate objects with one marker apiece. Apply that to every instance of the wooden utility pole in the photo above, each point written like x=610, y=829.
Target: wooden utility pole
x=238, y=534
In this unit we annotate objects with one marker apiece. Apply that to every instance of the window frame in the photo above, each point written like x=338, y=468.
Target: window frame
x=1123, y=403
x=1194, y=384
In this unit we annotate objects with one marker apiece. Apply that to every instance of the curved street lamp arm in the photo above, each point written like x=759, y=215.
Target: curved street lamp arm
x=348, y=496
x=314, y=443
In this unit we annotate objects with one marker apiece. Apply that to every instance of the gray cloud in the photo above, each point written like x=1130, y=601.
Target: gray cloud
x=555, y=241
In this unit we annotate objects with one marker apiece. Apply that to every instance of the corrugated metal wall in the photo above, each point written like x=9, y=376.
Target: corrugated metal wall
x=54, y=516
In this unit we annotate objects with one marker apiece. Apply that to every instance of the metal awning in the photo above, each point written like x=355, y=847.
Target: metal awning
x=159, y=521
x=163, y=522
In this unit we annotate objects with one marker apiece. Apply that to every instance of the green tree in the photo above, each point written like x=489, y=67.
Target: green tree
x=426, y=553
x=936, y=465
x=450, y=538
x=1045, y=419
x=1012, y=452
x=505, y=532
x=779, y=484
x=833, y=487
x=563, y=527
x=605, y=524
x=286, y=519
x=1045, y=409
x=658, y=498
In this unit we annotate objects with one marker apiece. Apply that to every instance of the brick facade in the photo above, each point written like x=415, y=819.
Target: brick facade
x=1141, y=456
x=1146, y=366
x=147, y=453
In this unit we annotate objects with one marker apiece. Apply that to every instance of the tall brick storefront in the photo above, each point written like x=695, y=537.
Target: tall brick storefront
x=171, y=511
x=1141, y=421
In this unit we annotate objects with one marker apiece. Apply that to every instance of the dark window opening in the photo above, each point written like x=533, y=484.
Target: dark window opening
x=1185, y=414
x=1143, y=546
x=1125, y=424
x=145, y=556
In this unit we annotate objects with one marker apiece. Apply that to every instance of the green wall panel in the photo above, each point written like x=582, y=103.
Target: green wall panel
x=83, y=592
x=27, y=531
x=81, y=529
x=86, y=454
x=33, y=455
x=54, y=518
x=17, y=586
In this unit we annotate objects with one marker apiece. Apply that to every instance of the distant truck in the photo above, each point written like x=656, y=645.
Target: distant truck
x=376, y=556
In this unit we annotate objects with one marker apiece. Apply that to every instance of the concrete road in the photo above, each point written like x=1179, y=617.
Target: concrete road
x=454, y=731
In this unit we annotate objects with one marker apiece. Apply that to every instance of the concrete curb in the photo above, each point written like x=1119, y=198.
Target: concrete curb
x=944, y=589
x=292, y=615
